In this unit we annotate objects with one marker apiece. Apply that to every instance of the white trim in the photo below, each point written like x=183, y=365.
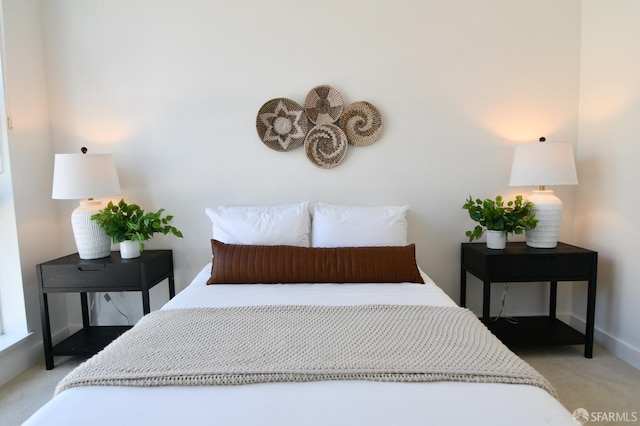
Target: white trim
x=621, y=349
x=5, y=98
x=7, y=341
x=26, y=353
x=20, y=356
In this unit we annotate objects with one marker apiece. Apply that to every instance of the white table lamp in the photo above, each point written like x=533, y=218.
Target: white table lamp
x=541, y=164
x=85, y=177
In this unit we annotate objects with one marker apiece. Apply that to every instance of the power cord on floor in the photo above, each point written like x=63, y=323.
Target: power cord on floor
x=502, y=303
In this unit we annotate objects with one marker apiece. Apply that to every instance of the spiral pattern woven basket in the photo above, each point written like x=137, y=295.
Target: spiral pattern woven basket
x=323, y=105
x=362, y=123
x=282, y=124
x=326, y=146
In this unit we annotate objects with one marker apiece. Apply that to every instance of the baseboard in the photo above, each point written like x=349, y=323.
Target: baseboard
x=24, y=355
x=19, y=358
x=621, y=349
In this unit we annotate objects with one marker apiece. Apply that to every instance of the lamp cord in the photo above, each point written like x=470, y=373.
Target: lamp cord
x=502, y=303
x=121, y=313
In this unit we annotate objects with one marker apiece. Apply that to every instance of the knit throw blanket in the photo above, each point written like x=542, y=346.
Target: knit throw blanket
x=242, y=345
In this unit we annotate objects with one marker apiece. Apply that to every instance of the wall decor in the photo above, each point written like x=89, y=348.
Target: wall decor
x=326, y=146
x=323, y=105
x=361, y=122
x=282, y=124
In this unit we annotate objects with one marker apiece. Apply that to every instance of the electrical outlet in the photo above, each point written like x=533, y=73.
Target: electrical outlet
x=107, y=297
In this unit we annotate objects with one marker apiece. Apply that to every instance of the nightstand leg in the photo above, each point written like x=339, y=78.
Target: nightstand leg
x=172, y=287
x=146, y=307
x=463, y=288
x=85, y=310
x=46, y=331
x=591, y=310
x=486, y=301
x=553, y=299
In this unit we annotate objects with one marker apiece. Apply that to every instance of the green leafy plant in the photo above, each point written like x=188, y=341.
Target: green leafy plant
x=493, y=215
x=124, y=221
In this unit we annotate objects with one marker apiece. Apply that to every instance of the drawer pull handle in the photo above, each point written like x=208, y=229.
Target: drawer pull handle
x=90, y=268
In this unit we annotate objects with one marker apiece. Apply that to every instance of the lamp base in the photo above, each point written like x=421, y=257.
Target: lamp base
x=548, y=210
x=91, y=240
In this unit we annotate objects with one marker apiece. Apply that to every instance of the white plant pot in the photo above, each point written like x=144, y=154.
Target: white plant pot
x=129, y=249
x=496, y=240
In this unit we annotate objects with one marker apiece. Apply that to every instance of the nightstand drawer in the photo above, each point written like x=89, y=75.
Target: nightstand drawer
x=90, y=274
x=560, y=267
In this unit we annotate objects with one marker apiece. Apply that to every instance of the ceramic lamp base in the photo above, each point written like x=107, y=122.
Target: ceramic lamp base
x=91, y=240
x=548, y=210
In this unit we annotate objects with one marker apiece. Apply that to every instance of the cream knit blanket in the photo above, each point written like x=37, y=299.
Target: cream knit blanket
x=242, y=345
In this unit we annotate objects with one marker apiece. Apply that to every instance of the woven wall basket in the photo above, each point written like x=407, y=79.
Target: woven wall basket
x=326, y=146
x=323, y=105
x=362, y=123
x=282, y=124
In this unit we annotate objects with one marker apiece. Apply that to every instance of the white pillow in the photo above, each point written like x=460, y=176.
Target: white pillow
x=342, y=226
x=269, y=225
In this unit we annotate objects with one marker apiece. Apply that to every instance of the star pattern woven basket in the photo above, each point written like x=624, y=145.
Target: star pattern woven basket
x=282, y=124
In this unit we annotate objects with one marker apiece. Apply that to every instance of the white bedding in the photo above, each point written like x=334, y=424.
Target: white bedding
x=313, y=403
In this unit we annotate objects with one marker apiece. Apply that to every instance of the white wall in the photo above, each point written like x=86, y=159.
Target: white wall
x=609, y=148
x=173, y=92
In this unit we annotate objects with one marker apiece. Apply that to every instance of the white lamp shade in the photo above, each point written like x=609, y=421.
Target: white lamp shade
x=84, y=176
x=543, y=163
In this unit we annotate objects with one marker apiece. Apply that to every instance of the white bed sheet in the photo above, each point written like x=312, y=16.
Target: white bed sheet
x=315, y=403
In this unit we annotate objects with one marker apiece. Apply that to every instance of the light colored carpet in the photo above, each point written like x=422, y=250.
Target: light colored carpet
x=604, y=383
x=601, y=384
x=22, y=396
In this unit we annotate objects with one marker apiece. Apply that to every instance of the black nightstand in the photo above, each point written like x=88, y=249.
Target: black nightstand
x=519, y=263
x=70, y=274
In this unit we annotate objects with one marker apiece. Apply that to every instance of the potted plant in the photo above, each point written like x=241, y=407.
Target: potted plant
x=499, y=219
x=130, y=226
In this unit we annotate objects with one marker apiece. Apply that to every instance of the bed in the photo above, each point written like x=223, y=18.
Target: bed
x=368, y=292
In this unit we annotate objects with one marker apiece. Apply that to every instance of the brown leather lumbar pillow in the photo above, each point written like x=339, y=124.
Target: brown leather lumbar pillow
x=248, y=264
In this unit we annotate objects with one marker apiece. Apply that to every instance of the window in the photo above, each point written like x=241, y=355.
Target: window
x=13, y=319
